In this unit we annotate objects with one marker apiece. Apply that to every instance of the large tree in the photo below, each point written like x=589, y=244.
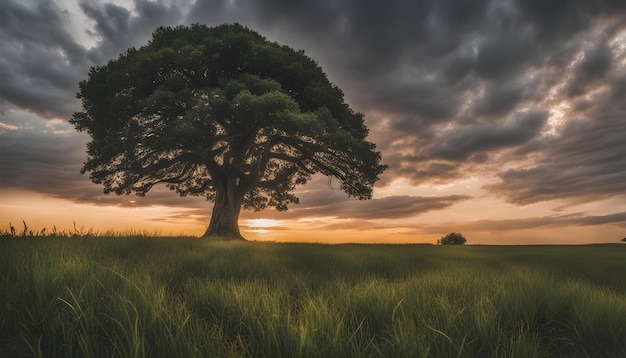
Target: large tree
x=223, y=113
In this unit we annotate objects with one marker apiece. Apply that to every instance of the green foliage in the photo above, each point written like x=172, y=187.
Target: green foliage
x=453, y=238
x=142, y=297
x=223, y=113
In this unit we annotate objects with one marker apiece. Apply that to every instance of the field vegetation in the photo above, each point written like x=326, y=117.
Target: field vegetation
x=98, y=296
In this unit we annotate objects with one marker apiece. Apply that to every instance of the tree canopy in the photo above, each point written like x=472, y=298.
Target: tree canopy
x=223, y=113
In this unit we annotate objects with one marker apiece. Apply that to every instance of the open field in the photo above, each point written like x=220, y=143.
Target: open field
x=157, y=297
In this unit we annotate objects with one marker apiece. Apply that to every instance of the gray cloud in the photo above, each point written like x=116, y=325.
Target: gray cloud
x=595, y=64
x=578, y=219
x=426, y=100
x=392, y=207
x=597, y=61
x=502, y=55
x=35, y=158
x=500, y=99
x=40, y=63
x=320, y=198
x=451, y=154
x=45, y=157
x=584, y=163
x=460, y=143
x=117, y=29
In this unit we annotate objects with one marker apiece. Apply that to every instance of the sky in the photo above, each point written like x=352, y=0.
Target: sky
x=504, y=120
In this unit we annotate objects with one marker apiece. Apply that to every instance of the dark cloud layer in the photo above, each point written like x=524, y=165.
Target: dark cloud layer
x=576, y=220
x=117, y=28
x=528, y=92
x=321, y=203
x=320, y=198
x=40, y=63
x=46, y=158
x=585, y=163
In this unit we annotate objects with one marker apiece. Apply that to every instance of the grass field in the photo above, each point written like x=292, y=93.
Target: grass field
x=183, y=297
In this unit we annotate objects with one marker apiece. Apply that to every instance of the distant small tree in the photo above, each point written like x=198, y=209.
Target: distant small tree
x=453, y=238
x=624, y=240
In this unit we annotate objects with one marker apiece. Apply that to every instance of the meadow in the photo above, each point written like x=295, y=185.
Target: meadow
x=99, y=296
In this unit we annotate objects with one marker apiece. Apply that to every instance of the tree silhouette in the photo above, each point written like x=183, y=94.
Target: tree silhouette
x=453, y=238
x=223, y=113
x=624, y=240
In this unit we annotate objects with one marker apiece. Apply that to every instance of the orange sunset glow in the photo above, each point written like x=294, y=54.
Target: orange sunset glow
x=500, y=120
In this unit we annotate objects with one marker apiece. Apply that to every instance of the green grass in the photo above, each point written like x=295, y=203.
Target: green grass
x=158, y=297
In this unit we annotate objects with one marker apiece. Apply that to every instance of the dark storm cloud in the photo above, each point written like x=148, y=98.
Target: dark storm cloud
x=45, y=157
x=527, y=57
x=35, y=158
x=450, y=88
x=118, y=29
x=502, y=55
x=423, y=97
x=40, y=63
x=449, y=154
x=596, y=63
x=432, y=171
x=462, y=142
x=500, y=99
x=562, y=19
x=392, y=207
x=585, y=162
x=457, y=67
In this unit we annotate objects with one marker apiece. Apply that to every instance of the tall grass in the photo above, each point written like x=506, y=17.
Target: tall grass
x=142, y=297
x=26, y=231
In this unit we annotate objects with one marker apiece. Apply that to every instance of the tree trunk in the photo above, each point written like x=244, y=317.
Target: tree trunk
x=225, y=216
